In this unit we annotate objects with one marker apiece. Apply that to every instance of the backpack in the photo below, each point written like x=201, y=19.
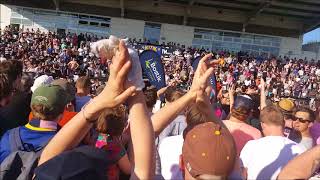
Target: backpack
x=22, y=160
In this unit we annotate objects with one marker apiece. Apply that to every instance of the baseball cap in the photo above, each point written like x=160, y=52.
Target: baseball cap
x=52, y=96
x=242, y=104
x=40, y=81
x=208, y=149
x=67, y=87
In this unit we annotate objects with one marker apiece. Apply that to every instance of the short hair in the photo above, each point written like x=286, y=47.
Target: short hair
x=151, y=96
x=83, y=82
x=172, y=94
x=272, y=115
x=40, y=111
x=11, y=67
x=306, y=110
x=194, y=116
x=6, y=86
x=112, y=121
x=26, y=83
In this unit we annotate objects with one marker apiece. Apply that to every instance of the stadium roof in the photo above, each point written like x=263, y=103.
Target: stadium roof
x=275, y=17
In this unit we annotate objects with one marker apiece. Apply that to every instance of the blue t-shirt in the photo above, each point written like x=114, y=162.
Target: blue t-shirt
x=33, y=138
x=81, y=101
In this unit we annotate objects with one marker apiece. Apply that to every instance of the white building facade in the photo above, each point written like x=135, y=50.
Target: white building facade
x=211, y=39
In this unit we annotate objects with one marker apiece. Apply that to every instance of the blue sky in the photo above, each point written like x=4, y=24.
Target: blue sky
x=312, y=36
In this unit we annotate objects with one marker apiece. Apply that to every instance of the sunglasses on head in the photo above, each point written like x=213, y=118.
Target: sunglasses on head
x=300, y=120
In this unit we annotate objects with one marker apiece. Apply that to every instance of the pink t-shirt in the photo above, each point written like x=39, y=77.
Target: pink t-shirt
x=242, y=133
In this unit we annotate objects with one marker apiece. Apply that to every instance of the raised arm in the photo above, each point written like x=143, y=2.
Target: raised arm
x=114, y=94
x=231, y=95
x=142, y=136
x=263, y=102
x=169, y=112
x=161, y=91
x=310, y=160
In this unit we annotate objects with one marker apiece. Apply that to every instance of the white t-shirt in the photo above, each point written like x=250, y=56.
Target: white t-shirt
x=265, y=157
x=170, y=150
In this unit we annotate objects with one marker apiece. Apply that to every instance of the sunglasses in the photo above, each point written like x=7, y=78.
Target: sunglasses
x=300, y=120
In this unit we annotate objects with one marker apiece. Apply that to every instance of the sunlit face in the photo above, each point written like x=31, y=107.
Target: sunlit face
x=302, y=121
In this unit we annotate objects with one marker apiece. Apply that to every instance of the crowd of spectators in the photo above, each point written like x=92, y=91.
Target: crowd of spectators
x=82, y=120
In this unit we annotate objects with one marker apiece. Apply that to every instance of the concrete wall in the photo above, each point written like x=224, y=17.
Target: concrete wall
x=127, y=28
x=290, y=46
x=5, y=14
x=175, y=33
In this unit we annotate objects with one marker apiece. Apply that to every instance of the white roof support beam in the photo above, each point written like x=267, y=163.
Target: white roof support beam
x=253, y=14
x=188, y=12
x=122, y=8
x=57, y=4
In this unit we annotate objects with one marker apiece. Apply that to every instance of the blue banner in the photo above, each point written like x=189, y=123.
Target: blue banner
x=212, y=79
x=152, y=67
x=156, y=49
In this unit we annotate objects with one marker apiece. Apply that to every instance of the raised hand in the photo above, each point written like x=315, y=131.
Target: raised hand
x=201, y=76
x=117, y=89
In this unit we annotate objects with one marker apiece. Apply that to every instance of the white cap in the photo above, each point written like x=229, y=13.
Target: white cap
x=40, y=81
x=2, y=59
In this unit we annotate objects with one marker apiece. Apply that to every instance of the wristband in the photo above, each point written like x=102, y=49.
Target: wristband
x=84, y=116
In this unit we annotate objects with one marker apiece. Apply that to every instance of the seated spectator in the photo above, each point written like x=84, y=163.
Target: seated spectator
x=265, y=157
x=83, y=90
x=303, y=120
x=47, y=104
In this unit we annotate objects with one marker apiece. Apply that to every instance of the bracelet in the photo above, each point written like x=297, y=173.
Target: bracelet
x=84, y=116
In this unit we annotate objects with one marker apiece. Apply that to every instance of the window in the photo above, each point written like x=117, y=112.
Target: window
x=94, y=24
x=153, y=25
x=105, y=25
x=231, y=34
x=206, y=42
x=219, y=38
x=248, y=41
x=266, y=43
x=206, y=36
x=83, y=22
x=15, y=21
x=15, y=15
x=27, y=22
x=228, y=39
x=257, y=42
x=238, y=40
x=83, y=17
x=197, y=36
x=276, y=44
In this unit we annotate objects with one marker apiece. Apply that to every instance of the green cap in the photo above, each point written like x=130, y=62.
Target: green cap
x=53, y=97
x=67, y=86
